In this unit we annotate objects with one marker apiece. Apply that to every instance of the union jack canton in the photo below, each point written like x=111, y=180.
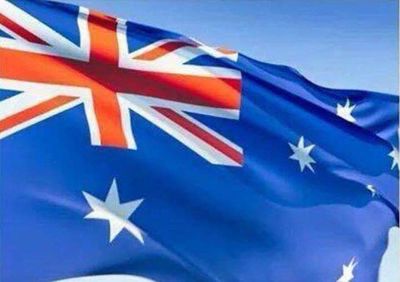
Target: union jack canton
x=156, y=81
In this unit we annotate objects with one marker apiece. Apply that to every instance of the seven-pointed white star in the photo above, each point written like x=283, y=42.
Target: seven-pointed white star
x=395, y=155
x=347, y=271
x=114, y=212
x=346, y=111
x=302, y=154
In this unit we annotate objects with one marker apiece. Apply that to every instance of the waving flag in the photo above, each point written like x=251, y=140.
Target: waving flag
x=140, y=153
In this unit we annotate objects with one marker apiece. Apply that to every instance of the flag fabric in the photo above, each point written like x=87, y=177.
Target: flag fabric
x=131, y=150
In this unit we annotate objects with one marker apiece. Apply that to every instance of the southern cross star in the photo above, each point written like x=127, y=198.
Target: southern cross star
x=116, y=213
x=302, y=154
x=394, y=154
x=345, y=111
x=372, y=189
x=347, y=271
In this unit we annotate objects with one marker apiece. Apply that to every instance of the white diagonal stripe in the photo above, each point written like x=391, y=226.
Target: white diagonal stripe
x=196, y=144
x=59, y=44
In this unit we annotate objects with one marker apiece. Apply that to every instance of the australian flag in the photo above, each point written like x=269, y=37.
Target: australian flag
x=131, y=153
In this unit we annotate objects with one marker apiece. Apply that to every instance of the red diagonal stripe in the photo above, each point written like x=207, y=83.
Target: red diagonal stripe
x=162, y=50
x=13, y=26
x=226, y=51
x=34, y=111
x=202, y=134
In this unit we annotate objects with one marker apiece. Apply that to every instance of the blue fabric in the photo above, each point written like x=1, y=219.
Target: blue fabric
x=264, y=221
x=5, y=94
x=4, y=34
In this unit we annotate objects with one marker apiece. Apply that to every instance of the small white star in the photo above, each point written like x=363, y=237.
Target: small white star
x=372, y=189
x=302, y=154
x=346, y=111
x=114, y=212
x=347, y=270
x=395, y=155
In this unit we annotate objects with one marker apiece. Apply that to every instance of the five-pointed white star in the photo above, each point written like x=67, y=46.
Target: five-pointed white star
x=395, y=155
x=302, y=154
x=346, y=111
x=372, y=189
x=347, y=271
x=114, y=212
